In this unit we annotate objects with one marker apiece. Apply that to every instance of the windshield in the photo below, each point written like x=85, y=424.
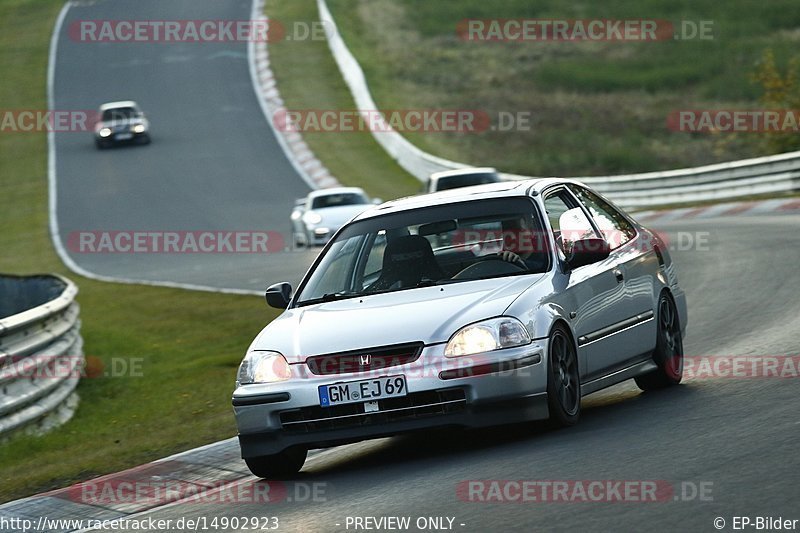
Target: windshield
x=466, y=180
x=335, y=200
x=430, y=246
x=120, y=113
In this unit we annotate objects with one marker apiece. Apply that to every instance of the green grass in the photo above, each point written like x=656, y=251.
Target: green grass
x=182, y=398
x=597, y=107
x=308, y=79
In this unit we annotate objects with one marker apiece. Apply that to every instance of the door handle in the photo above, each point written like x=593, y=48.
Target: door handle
x=619, y=275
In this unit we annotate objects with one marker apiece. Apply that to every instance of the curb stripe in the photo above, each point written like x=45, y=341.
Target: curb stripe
x=774, y=205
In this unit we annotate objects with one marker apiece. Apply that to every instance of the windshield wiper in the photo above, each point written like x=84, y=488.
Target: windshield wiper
x=328, y=297
x=433, y=283
x=333, y=296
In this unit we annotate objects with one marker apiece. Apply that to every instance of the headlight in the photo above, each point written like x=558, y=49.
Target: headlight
x=105, y=132
x=263, y=367
x=138, y=128
x=486, y=336
x=312, y=218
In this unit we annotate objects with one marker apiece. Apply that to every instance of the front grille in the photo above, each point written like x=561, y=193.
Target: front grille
x=411, y=406
x=364, y=360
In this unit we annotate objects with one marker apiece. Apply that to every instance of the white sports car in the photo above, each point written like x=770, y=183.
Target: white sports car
x=318, y=216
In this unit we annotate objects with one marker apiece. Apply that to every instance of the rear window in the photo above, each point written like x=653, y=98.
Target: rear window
x=334, y=200
x=454, y=182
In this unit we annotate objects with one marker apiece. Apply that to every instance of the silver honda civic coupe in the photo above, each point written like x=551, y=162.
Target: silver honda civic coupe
x=480, y=306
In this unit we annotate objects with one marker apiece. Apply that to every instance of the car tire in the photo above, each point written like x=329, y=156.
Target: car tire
x=145, y=139
x=100, y=145
x=668, y=353
x=563, y=379
x=280, y=465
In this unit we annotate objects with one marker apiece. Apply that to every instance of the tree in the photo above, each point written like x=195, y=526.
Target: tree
x=781, y=92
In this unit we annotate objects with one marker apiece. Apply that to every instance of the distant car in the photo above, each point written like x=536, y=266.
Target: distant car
x=544, y=293
x=318, y=216
x=463, y=177
x=121, y=122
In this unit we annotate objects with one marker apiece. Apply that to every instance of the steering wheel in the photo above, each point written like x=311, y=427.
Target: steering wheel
x=483, y=267
x=518, y=262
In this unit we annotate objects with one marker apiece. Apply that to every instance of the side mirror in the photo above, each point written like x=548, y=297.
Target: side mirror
x=278, y=295
x=587, y=251
x=377, y=201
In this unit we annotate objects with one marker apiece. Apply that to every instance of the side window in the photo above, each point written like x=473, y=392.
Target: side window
x=567, y=221
x=556, y=205
x=615, y=228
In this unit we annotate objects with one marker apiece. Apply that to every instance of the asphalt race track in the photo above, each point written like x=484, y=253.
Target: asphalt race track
x=213, y=164
x=736, y=437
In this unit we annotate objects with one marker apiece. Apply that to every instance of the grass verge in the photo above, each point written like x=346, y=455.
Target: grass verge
x=182, y=397
x=596, y=108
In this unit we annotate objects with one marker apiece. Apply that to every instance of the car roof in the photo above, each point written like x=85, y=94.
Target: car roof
x=504, y=189
x=335, y=190
x=118, y=104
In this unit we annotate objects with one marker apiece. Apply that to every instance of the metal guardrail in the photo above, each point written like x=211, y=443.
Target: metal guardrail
x=724, y=181
x=41, y=352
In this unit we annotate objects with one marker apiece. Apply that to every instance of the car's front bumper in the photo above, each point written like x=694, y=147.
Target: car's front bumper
x=320, y=236
x=510, y=386
x=123, y=136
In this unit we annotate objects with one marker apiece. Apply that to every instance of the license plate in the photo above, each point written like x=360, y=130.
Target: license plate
x=367, y=390
x=124, y=136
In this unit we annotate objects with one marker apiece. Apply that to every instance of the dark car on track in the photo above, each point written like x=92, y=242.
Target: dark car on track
x=121, y=122
x=462, y=177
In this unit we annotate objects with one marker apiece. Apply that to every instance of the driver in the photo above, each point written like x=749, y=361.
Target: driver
x=519, y=242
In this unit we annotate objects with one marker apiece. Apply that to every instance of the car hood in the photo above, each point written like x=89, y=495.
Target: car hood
x=428, y=314
x=339, y=215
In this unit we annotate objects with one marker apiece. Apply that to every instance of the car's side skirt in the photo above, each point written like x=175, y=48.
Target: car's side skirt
x=617, y=376
x=619, y=327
